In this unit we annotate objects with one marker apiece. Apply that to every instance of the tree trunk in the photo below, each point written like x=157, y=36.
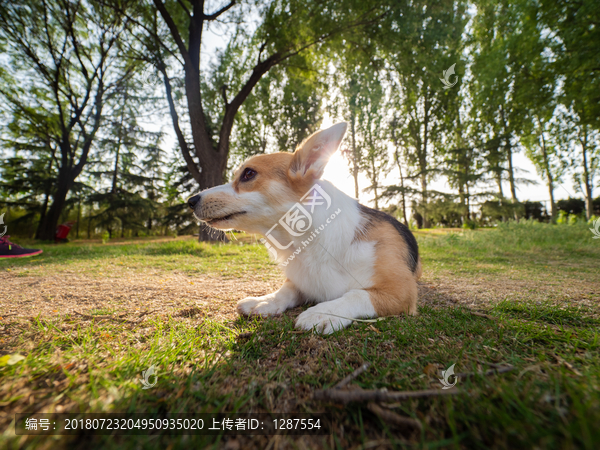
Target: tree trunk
x=211, y=154
x=508, y=149
x=89, y=227
x=589, y=205
x=42, y=221
x=375, y=181
x=354, y=156
x=468, y=203
x=424, y=200
x=423, y=165
x=48, y=226
x=46, y=200
x=511, y=172
x=550, y=179
x=499, y=184
x=78, y=217
x=118, y=150
x=403, y=194
x=461, y=196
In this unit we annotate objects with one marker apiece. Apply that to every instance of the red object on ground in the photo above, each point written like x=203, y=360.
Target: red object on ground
x=62, y=231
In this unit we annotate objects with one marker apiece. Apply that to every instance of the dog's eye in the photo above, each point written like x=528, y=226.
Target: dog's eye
x=248, y=174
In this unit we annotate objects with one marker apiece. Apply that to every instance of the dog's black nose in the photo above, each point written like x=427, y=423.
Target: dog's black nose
x=193, y=201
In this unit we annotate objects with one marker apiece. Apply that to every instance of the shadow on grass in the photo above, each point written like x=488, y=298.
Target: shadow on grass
x=205, y=367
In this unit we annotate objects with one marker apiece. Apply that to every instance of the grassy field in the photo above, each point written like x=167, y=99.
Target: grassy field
x=89, y=318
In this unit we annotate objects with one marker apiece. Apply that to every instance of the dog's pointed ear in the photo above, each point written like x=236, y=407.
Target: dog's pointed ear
x=310, y=158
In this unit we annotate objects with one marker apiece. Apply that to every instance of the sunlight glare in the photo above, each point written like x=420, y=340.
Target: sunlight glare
x=338, y=172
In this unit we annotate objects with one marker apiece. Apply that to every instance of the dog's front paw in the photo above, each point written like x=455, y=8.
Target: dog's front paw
x=261, y=306
x=321, y=319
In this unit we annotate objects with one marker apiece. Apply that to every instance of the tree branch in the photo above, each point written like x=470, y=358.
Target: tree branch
x=224, y=94
x=392, y=418
x=232, y=108
x=360, y=395
x=173, y=28
x=185, y=150
x=187, y=11
x=219, y=12
x=352, y=376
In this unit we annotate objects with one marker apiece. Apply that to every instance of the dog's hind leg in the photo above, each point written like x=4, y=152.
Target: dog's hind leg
x=285, y=298
x=334, y=315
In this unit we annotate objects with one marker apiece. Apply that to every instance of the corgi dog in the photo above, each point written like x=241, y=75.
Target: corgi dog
x=350, y=261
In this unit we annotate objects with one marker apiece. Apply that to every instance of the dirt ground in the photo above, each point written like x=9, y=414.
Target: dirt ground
x=158, y=293
x=49, y=296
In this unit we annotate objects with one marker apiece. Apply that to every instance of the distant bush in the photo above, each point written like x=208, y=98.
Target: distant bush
x=571, y=206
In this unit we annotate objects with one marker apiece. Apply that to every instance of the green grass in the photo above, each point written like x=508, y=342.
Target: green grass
x=551, y=400
x=530, y=246
x=185, y=255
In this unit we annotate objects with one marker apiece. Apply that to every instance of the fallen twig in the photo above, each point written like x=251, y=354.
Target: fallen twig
x=245, y=335
x=361, y=395
x=478, y=314
x=495, y=371
x=567, y=364
x=497, y=366
x=352, y=376
x=393, y=418
x=147, y=312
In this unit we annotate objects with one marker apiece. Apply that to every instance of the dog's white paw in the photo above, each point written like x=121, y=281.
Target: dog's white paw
x=322, y=319
x=261, y=306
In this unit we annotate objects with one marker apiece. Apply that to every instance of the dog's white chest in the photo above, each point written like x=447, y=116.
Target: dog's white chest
x=327, y=272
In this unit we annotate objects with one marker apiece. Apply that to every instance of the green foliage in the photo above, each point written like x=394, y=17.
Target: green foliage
x=80, y=140
x=501, y=209
x=62, y=66
x=424, y=40
x=283, y=109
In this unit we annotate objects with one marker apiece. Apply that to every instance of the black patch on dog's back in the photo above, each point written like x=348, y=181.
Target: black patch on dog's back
x=373, y=215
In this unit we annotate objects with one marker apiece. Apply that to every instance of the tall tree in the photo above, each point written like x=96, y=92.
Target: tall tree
x=539, y=132
x=427, y=40
x=500, y=80
x=285, y=29
x=359, y=98
x=462, y=166
x=545, y=153
x=583, y=143
x=575, y=37
x=127, y=163
x=63, y=64
x=574, y=33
